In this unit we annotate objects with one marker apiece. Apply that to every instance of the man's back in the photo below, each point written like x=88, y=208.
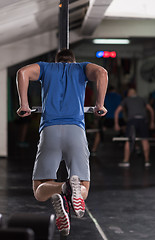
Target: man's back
x=136, y=107
x=63, y=93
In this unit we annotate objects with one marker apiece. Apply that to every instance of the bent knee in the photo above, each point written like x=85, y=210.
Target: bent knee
x=39, y=197
x=38, y=193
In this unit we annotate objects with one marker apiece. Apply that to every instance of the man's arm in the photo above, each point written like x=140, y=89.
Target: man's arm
x=99, y=75
x=151, y=111
x=24, y=75
x=116, y=117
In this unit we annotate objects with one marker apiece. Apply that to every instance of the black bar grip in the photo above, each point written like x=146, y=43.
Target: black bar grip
x=100, y=111
x=22, y=113
x=32, y=111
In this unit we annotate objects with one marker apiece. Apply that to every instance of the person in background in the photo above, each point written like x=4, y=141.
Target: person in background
x=152, y=99
x=136, y=109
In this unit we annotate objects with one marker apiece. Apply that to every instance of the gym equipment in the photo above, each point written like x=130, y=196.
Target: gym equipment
x=1, y=220
x=94, y=130
x=42, y=225
x=132, y=139
x=16, y=234
x=38, y=109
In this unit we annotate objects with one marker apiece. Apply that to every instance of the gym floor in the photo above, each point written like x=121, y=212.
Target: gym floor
x=121, y=202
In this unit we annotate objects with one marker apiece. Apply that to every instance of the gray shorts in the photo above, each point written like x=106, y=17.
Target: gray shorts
x=62, y=142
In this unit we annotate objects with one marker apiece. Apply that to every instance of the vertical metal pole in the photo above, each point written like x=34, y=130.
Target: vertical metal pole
x=63, y=43
x=64, y=24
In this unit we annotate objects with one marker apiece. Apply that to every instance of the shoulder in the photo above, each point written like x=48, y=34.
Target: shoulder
x=140, y=99
x=42, y=63
x=81, y=64
x=45, y=64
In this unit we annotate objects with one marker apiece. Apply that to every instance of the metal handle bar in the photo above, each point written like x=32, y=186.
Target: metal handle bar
x=38, y=109
x=124, y=139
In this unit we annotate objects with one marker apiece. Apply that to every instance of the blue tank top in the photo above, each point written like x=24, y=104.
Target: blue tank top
x=63, y=93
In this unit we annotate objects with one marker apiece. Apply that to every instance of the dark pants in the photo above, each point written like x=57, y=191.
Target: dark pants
x=140, y=125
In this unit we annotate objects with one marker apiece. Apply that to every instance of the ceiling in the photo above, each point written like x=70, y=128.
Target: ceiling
x=26, y=18
x=34, y=21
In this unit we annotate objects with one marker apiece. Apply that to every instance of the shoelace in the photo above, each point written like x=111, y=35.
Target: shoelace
x=76, y=189
x=57, y=207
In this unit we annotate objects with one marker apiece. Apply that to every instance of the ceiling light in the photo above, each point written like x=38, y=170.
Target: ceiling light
x=111, y=41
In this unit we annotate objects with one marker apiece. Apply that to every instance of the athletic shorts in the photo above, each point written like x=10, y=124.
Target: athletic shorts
x=62, y=142
x=141, y=127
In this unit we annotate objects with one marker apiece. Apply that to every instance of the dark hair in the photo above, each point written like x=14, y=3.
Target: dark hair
x=65, y=55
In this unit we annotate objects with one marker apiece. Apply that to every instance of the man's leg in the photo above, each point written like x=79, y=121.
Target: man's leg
x=76, y=192
x=126, y=151
x=85, y=189
x=49, y=189
x=125, y=162
x=146, y=149
x=96, y=142
x=99, y=136
x=44, y=189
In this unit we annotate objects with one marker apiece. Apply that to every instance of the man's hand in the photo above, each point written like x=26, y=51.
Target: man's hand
x=100, y=109
x=25, y=109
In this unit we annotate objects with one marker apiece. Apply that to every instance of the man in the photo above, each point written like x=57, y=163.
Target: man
x=137, y=117
x=62, y=130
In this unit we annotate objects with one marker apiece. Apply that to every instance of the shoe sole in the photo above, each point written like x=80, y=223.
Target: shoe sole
x=124, y=165
x=147, y=165
x=77, y=203
x=64, y=226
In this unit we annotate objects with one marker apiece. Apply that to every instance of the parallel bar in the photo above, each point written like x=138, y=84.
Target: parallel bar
x=92, y=130
x=38, y=109
x=123, y=139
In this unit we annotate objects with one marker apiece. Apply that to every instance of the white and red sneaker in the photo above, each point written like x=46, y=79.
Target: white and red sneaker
x=76, y=199
x=61, y=208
